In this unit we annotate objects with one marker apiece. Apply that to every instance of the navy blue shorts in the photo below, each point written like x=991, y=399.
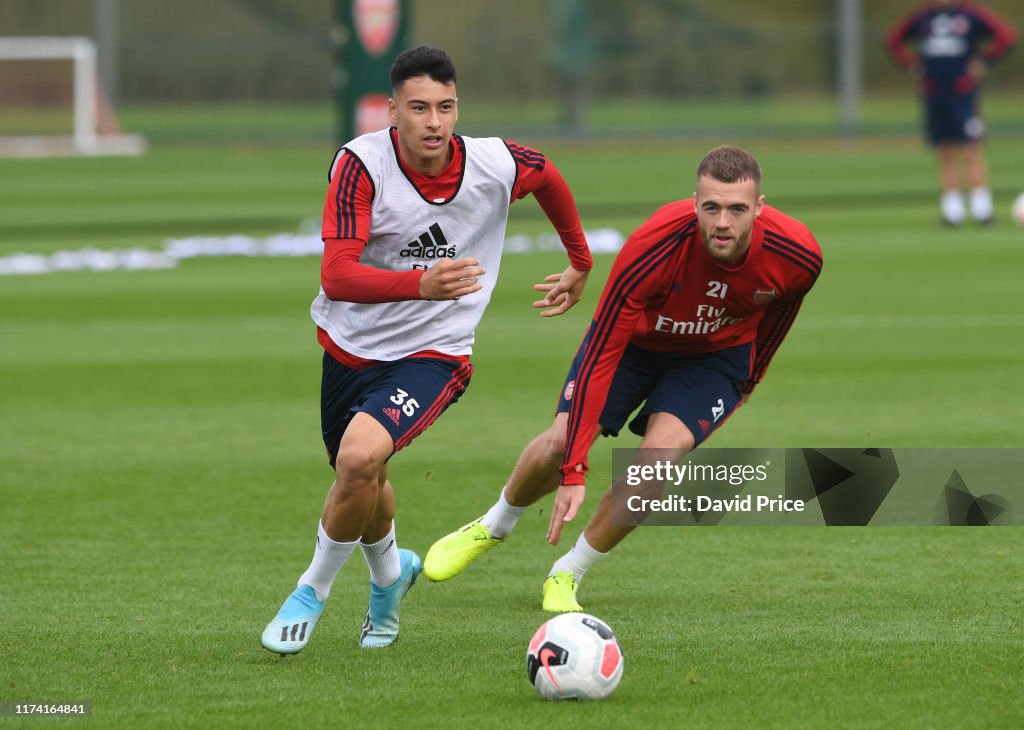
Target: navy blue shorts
x=405, y=396
x=702, y=391
x=953, y=118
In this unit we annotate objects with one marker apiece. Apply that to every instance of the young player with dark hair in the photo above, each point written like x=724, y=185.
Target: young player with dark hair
x=413, y=228
x=695, y=307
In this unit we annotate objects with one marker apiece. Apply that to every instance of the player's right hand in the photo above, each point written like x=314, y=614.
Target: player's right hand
x=567, y=504
x=451, y=279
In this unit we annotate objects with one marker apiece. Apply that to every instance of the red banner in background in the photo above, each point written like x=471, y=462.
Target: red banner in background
x=376, y=24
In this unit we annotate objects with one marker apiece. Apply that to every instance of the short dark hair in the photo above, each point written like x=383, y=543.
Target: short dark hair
x=729, y=165
x=422, y=61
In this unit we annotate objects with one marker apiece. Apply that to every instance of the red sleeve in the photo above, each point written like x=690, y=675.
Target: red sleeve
x=538, y=175
x=345, y=279
x=349, y=199
x=802, y=263
x=637, y=276
x=345, y=228
x=898, y=36
x=771, y=330
x=1003, y=34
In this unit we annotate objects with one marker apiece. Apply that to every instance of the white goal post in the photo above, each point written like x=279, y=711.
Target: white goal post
x=86, y=137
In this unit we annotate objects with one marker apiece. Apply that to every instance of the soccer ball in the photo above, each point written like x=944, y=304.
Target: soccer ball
x=1018, y=210
x=574, y=656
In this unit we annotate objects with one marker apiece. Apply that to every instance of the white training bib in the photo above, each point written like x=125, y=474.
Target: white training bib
x=408, y=232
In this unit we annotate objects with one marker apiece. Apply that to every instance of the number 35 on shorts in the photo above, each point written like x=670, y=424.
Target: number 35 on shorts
x=401, y=398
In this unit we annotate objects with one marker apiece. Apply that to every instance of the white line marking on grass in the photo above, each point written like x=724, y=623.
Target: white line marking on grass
x=286, y=244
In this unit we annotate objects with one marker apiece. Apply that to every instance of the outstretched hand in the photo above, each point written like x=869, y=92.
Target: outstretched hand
x=451, y=279
x=567, y=504
x=563, y=291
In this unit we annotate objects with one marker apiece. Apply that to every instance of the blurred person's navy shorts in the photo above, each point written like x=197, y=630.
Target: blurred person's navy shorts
x=953, y=118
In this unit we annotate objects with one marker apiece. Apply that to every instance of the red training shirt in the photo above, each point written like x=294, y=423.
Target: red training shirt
x=665, y=293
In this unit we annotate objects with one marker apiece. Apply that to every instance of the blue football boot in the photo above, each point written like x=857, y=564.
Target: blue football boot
x=380, y=627
x=290, y=630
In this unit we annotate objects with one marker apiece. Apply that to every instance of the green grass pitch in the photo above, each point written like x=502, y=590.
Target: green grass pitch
x=161, y=472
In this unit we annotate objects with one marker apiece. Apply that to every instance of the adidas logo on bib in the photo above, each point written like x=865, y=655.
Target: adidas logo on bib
x=430, y=245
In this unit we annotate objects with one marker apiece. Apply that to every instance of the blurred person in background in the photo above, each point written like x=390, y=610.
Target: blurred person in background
x=947, y=45
x=413, y=229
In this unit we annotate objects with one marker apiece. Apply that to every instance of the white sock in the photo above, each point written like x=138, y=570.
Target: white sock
x=502, y=517
x=383, y=559
x=578, y=560
x=953, y=209
x=981, y=203
x=328, y=557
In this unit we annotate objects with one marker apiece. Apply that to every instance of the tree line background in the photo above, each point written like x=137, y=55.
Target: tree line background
x=232, y=50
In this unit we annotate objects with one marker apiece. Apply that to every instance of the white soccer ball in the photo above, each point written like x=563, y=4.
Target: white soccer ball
x=574, y=656
x=1018, y=210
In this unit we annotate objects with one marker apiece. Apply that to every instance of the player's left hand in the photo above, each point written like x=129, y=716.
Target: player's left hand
x=976, y=68
x=563, y=291
x=567, y=504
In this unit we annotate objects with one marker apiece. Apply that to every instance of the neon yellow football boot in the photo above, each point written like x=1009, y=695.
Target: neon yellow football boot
x=453, y=553
x=560, y=593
